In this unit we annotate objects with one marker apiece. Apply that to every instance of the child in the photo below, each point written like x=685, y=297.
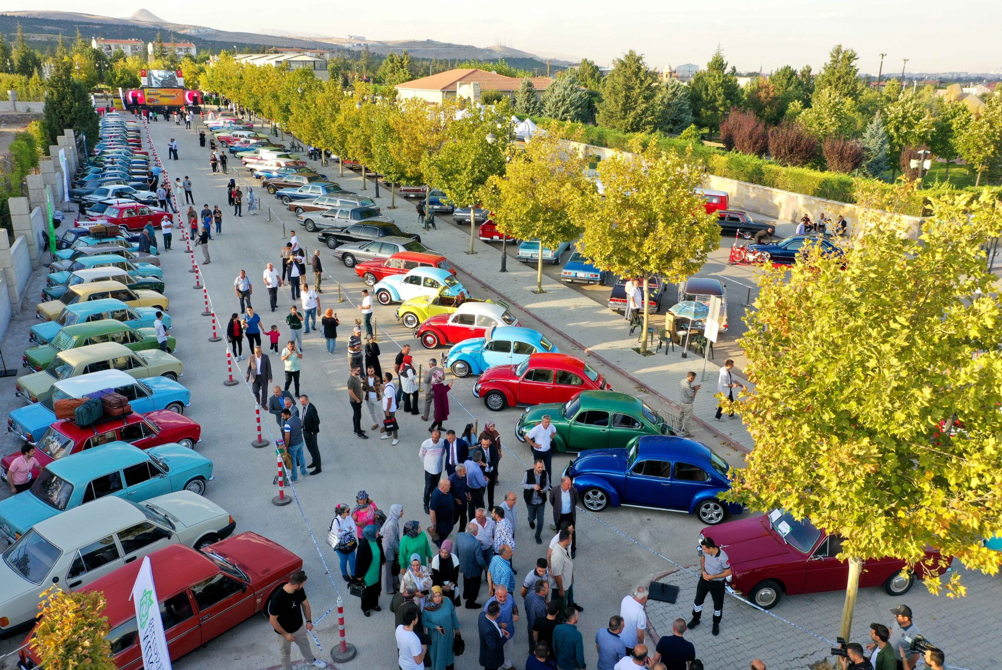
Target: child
x=273, y=335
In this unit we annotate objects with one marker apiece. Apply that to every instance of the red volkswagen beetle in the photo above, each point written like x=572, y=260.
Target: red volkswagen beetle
x=401, y=263
x=540, y=378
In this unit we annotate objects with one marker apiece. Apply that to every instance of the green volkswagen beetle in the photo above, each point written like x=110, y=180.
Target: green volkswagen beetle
x=595, y=420
x=93, y=332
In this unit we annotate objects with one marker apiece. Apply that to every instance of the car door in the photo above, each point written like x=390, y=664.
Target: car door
x=143, y=538
x=93, y=561
x=590, y=430
x=461, y=326
x=140, y=399
x=649, y=484
x=625, y=427
x=105, y=485
x=497, y=352
x=824, y=572
x=180, y=625
x=521, y=351
x=144, y=481
x=222, y=603
x=565, y=385
x=535, y=387
x=410, y=286
x=139, y=434
x=688, y=480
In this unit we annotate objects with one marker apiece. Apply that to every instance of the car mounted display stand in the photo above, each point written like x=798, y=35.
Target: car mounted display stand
x=4, y=370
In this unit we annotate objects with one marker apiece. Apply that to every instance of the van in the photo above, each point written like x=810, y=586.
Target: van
x=713, y=201
x=701, y=289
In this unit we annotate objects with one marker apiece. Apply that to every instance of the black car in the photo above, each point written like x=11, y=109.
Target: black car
x=363, y=232
x=733, y=222
x=655, y=288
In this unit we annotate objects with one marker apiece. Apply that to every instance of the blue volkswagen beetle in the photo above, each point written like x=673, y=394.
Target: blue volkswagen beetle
x=95, y=310
x=115, y=469
x=655, y=471
x=420, y=281
x=509, y=345
x=579, y=268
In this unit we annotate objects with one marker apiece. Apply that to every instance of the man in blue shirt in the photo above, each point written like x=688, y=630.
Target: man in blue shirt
x=674, y=650
x=568, y=645
x=476, y=482
x=294, y=443
x=610, y=647
x=506, y=619
x=460, y=495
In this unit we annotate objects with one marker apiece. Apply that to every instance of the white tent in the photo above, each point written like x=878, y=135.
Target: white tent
x=524, y=130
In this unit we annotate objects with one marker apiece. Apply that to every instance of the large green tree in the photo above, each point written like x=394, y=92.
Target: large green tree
x=675, y=109
x=589, y=75
x=840, y=74
x=629, y=96
x=831, y=115
x=875, y=147
x=26, y=61
x=565, y=99
x=714, y=91
x=948, y=126
x=527, y=100
x=68, y=104
x=769, y=98
x=908, y=124
x=395, y=69
x=981, y=143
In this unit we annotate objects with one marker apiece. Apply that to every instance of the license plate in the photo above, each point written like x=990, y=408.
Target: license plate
x=581, y=274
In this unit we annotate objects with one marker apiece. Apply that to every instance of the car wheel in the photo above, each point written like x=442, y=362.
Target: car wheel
x=331, y=243
x=369, y=279
x=898, y=584
x=429, y=340
x=383, y=296
x=298, y=211
x=595, y=500
x=461, y=368
x=272, y=190
x=310, y=226
x=411, y=321
x=187, y=443
x=711, y=512
x=286, y=200
x=349, y=261
x=176, y=407
x=767, y=594
x=170, y=375
x=205, y=541
x=196, y=485
x=160, y=307
x=495, y=401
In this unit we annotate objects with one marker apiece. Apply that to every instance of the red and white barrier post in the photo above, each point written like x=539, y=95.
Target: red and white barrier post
x=281, y=499
x=230, y=381
x=260, y=441
x=215, y=336
x=205, y=292
x=343, y=652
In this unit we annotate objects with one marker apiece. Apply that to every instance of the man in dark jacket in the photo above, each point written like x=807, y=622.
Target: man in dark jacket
x=311, y=428
x=471, y=564
x=276, y=403
x=259, y=370
x=535, y=488
x=492, y=638
x=457, y=451
x=564, y=501
x=318, y=271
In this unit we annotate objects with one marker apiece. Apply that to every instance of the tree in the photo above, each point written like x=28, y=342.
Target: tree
x=673, y=105
x=395, y=69
x=875, y=145
x=649, y=221
x=790, y=144
x=6, y=62
x=589, y=75
x=68, y=105
x=840, y=74
x=908, y=123
x=842, y=154
x=981, y=145
x=500, y=66
x=490, y=96
x=842, y=438
x=714, y=91
x=892, y=90
x=831, y=114
x=629, y=96
x=71, y=631
x=743, y=132
x=25, y=59
x=526, y=100
x=565, y=100
x=125, y=73
x=532, y=200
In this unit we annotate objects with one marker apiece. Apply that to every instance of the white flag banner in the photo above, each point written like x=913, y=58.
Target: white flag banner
x=151, y=627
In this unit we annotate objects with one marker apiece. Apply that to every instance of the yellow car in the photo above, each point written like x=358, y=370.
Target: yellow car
x=47, y=311
x=415, y=311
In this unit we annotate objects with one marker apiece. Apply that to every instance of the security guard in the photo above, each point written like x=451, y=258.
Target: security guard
x=715, y=569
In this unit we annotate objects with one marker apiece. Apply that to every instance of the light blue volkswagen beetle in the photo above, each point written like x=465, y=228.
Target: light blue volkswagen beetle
x=508, y=345
x=417, y=282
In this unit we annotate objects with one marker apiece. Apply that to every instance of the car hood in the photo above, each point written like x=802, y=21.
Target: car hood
x=749, y=541
x=499, y=373
x=20, y=512
x=609, y=461
x=164, y=385
x=180, y=458
x=157, y=358
x=257, y=556
x=188, y=509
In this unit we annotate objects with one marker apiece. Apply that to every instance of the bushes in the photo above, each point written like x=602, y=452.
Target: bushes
x=790, y=144
x=843, y=155
x=744, y=132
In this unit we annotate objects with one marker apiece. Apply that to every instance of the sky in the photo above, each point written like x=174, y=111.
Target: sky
x=935, y=36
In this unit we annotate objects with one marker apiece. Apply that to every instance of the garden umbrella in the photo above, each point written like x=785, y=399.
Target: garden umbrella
x=692, y=310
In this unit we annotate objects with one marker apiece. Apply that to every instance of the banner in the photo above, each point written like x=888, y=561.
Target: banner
x=52, y=220
x=66, y=175
x=152, y=640
x=164, y=78
x=164, y=96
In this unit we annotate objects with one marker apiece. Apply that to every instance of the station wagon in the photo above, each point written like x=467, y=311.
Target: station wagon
x=110, y=308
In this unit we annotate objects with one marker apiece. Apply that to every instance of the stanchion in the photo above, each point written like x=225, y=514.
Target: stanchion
x=260, y=441
x=281, y=499
x=340, y=297
x=344, y=652
x=215, y=336
x=205, y=292
x=375, y=329
x=230, y=381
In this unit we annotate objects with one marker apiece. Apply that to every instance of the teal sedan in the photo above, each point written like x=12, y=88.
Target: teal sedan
x=134, y=268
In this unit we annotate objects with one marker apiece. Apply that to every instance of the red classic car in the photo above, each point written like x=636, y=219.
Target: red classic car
x=133, y=216
x=152, y=429
x=489, y=232
x=538, y=379
x=776, y=555
x=471, y=319
x=401, y=263
x=202, y=594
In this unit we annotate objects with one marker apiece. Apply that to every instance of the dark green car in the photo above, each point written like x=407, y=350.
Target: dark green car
x=595, y=420
x=93, y=332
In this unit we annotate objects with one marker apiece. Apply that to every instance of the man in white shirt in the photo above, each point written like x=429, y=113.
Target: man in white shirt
x=243, y=288
x=272, y=281
x=634, y=616
x=628, y=291
x=540, y=440
x=636, y=299
x=726, y=385
x=410, y=650
x=167, y=228
x=161, y=331
x=311, y=303
x=294, y=241
x=366, y=309
x=432, y=454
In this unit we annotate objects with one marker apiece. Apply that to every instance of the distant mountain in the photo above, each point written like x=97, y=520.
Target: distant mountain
x=146, y=16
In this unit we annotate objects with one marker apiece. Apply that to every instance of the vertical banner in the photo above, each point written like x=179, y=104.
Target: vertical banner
x=152, y=640
x=66, y=175
x=51, y=219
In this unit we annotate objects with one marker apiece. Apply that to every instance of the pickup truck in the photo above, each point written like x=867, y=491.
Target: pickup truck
x=275, y=184
x=364, y=231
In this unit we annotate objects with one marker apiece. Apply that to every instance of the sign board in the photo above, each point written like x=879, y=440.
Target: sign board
x=164, y=78
x=712, y=328
x=152, y=640
x=66, y=175
x=173, y=97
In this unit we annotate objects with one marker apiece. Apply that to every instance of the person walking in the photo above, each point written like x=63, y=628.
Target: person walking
x=161, y=331
x=535, y=489
x=389, y=403
x=238, y=202
x=286, y=255
x=206, y=216
x=715, y=569
x=170, y=198
x=434, y=371
x=311, y=428
x=369, y=561
x=222, y=161
x=471, y=564
x=287, y=608
x=253, y=204
x=167, y=229
x=295, y=322
x=372, y=387
x=162, y=198
x=492, y=638
x=203, y=241
x=355, y=399
x=411, y=649
x=432, y=454
x=687, y=395
x=193, y=221
x=371, y=352
x=535, y=603
x=329, y=323
x=633, y=610
x=213, y=162
x=243, y=289
x=442, y=623
x=294, y=278
x=235, y=336
x=490, y=442
x=19, y=473
x=409, y=385
x=292, y=430
x=292, y=358
x=390, y=532
x=674, y=650
x=568, y=644
x=726, y=384
x=252, y=328
x=341, y=535
x=201, y=138
x=217, y=218
x=189, y=198
x=562, y=571
x=272, y=281
x=318, y=270
x=506, y=620
x=365, y=307
x=563, y=504
x=311, y=303
x=440, y=391
x=540, y=440
x=259, y=369
x=231, y=186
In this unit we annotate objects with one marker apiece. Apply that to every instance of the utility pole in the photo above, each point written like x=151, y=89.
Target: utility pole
x=903, y=63
x=880, y=71
x=547, y=68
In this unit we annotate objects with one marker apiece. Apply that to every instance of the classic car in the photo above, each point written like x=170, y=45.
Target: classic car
x=202, y=595
x=788, y=251
x=374, y=271
x=461, y=215
x=71, y=255
x=134, y=216
x=419, y=281
x=406, y=191
x=140, y=430
x=55, y=291
x=93, y=210
x=776, y=554
x=543, y=377
x=415, y=311
x=471, y=319
x=579, y=269
x=438, y=202
x=147, y=395
x=69, y=236
x=655, y=471
x=655, y=289
x=734, y=222
x=488, y=232
x=293, y=180
x=365, y=230
x=528, y=252
x=701, y=290
x=110, y=245
x=338, y=217
x=117, y=469
x=595, y=420
x=308, y=191
x=122, y=191
x=713, y=201
x=69, y=363
x=135, y=269
x=326, y=202
x=93, y=332
x=87, y=187
x=88, y=542
x=100, y=290
x=267, y=173
x=353, y=253
x=509, y=345
x=110, y=308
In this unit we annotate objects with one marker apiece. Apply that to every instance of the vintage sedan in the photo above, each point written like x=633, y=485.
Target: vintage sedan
x=202, y=595
x=55, y=291
x=109, y=308
x=792, y=249
x=100, y=290
x=734, y=222
x=580, y=269
x=322, y=204
x=374, y=271
x=655, y=289
x=365, y=231
x=269, y=173
x=71, y=363
x=439, y=203
x=353, y=253
x=461, y=215
x=508, y=345
x=776, y=554
x=656, y=472
x=93, y=332
x=595, y=420
x=548, y=378
x=528, y=252
x=134, y=216
x=88, y=542
x=488, y=232
x=340, y=217
x=68, y=256
x=117, y=469
x=417, y=310
x=147, y=395
x=417, y=282
x=471, y=319
x=308, y=191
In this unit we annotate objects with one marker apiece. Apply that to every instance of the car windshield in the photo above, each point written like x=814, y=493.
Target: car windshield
x=577, y=257
x=509, y=318
x=63, y=341
x=74, y=280
x=719, y=464
x=652, y=416
x=54, y=444
x=52, y=490
x=522, y=367
x=99, y=208
x=801, y=534
x=161, y=463
x=32, y=557
x=544, y=343
x=393, y=230
x=451, y=281
x=416, y=247
x=61, y=371
x=590, y=373
x=68, y=318
x=69, y=297
x=572, y=407
x=226, y=565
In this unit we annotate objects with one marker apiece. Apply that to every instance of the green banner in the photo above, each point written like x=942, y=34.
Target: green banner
x=52, y=221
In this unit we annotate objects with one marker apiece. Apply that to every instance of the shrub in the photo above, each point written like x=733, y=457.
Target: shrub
x=790, y=144
x=744, y=132
x=843, y=155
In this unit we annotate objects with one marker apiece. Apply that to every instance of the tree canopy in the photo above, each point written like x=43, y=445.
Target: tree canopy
x=714, y=91
x=629, y=96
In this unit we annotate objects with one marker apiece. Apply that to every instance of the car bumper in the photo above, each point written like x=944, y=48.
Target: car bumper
x=476, y=394
x=518, y=429
x=227, y=530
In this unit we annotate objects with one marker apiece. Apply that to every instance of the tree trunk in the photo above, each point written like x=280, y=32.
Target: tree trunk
x=977, y=182
x=340, y=166
x=539, y=270
x=393, y=197
x=851, y=589
x=363, y=178
x=473, y=229
x=643, y=333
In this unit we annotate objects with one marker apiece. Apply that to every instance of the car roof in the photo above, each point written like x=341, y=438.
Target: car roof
x=415, y=255
x=88, y=523
x=95, y=306
x=78, y=387
x=703, y=286
x=82, y=467
x=488, y=308
x=94, y=287
x=99, y=327
x=94, y=352
x=555, y=360
x=515, y=333
x=437, y=273
x=88, y=273
x=706, y=191
x=678, y=447
x=607, y=400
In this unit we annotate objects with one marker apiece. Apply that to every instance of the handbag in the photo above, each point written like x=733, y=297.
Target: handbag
x=390, y=424
x=356, y=588
x=458, y=645
x=344, y=543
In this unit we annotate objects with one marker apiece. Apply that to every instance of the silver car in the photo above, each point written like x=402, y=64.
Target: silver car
x=339, y=217
x=461, y=215
x=353, y=253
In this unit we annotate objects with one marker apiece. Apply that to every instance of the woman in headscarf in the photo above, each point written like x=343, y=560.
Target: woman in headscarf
x=372, y=355
x=440, y=620
x=343, y=529
x=445, y=571
x=390, y=533
x=440, y=393
x=409, y=385
x=368, y=564
x=492, y=459
x=414, y=541
x=364, y=512
x=416, y=577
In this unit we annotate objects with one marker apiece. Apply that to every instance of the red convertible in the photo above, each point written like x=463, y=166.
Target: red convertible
x=401, y=263
x=152, y=429
x=488, y=232
x=541, y=378
x=133, y=216
x=202, y=594
x=776, y=555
